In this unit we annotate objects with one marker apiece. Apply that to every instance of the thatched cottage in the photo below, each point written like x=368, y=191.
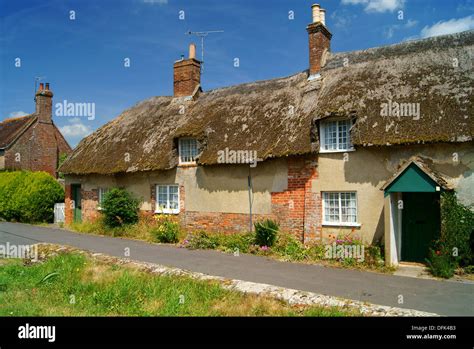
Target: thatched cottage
x=362, y=143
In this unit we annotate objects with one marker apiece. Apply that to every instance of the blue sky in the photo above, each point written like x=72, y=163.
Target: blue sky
x=83, y=59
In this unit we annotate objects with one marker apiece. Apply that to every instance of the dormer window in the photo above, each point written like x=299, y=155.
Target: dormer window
x=188, y=151
x=335, y=136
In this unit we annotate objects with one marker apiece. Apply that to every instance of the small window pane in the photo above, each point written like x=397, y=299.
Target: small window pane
x=340, y=207
x=168, y=198
x=336, y=135
x=188, y=150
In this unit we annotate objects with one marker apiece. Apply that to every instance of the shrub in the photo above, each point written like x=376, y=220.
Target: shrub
x=457, y=227
x=202, y=240
x=289, y=247
x=441, y=264
x=29, y=196
x=237, y=242
x=167, y=232
x=266, y=233
x=119, y=208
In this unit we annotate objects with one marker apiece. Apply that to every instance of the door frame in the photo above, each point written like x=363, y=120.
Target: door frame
x=75, y=193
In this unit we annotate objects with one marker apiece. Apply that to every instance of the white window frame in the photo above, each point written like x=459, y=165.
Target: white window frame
x=324, y=125
x=193, y=161
x=100, y=193
x=167, y=209
x=340, y=223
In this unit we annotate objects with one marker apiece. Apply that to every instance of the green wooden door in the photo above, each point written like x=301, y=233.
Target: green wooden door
x=420, y=225
x=76, y=196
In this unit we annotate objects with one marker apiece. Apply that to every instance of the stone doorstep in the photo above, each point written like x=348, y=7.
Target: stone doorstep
x=293, y=297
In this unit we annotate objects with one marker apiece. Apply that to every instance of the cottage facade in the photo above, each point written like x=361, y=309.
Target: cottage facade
x=33, y=142
x=362, y=143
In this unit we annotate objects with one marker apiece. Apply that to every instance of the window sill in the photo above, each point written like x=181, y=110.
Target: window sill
x=167, y=212
x=342, y=225
x=321, y=151
x=189, y=164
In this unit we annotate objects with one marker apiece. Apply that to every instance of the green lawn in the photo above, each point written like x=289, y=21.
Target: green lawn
x=71, y=284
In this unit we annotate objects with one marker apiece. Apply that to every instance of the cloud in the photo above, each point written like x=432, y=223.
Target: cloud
x=377, y=5
x=17, y=114
x=156, y=2
x=448, y=27
x=390, y=31
x=76, y=129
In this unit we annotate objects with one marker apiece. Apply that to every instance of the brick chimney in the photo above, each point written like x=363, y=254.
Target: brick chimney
x=319, y=41
x=187, y=75
x=44, y=104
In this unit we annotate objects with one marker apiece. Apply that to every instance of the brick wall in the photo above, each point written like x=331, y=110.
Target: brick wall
x=69, y=212
x=37, y=149
x=298, y=209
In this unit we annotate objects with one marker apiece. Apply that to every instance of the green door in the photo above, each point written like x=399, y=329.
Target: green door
x=76, y=196
x=420, y=225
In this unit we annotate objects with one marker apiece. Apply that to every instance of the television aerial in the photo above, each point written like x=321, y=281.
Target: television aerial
x=203, y=35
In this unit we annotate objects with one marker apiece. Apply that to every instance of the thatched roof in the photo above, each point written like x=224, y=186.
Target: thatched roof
x=437, y=73
x=275, y=117
x=12, y=128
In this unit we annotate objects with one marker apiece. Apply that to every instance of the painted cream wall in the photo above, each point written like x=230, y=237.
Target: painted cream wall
x=2, y=160
x=207, y=189
x=367, y=169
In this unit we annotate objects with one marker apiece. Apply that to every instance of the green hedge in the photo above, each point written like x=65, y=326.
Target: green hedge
x=28, y=197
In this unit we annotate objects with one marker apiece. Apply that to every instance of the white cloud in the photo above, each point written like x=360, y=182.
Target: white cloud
x=156, y=2
x=76, y=129
x=448, y=27
x=17, y=114
x=377, y=5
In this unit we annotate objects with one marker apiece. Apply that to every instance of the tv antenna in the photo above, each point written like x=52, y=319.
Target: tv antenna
x=202, y=35
x=37, y=78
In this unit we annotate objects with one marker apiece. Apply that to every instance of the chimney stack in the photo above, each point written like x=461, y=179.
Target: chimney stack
x=319, y=41
x=187, y=75
x=44, y=104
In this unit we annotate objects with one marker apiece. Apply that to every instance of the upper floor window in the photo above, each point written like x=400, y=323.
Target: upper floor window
x=335, y=136
x=188, y=150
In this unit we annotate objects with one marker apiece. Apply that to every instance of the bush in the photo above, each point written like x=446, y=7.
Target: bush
x=167, y=232
x=202, y=241
x=457, y=227
x=119, y=208
x=237, y=242
x=441, y=264
x=29, y=197
x=290, y=248
x=266, y=233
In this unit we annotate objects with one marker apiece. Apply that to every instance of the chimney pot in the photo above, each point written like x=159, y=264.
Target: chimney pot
x=322, y=16
x=47, y=86
x=316, y=13
x=41, y=88
x=192, y=51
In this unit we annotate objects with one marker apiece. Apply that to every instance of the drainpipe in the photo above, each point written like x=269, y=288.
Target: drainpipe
x=250, y=198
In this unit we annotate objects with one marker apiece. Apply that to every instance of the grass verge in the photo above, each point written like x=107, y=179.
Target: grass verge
x=72, y=284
